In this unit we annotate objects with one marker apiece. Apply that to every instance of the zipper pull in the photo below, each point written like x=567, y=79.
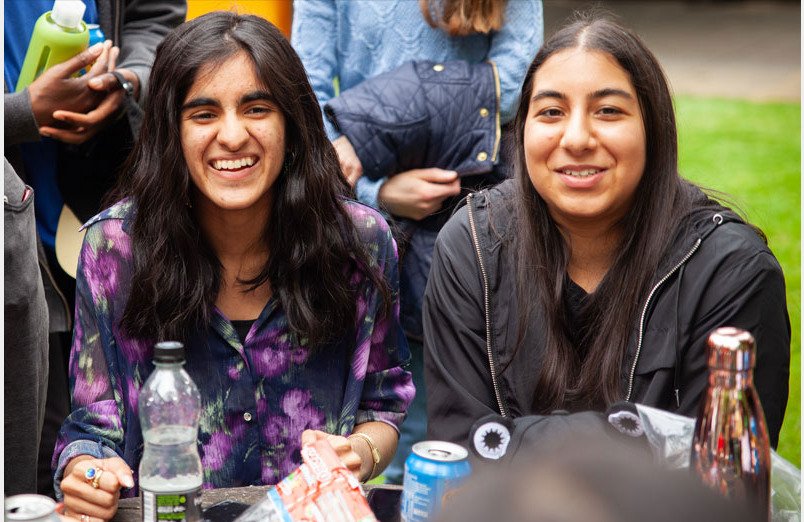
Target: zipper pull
x=678, y=401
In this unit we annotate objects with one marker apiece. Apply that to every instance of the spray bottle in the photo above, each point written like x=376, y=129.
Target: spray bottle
x=58, y=35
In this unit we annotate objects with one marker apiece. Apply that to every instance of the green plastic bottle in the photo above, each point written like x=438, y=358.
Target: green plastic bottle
x=58, y=35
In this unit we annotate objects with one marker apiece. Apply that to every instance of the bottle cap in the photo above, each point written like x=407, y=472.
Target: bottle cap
x=168, y=352
x=731, y=349
x=68, y=13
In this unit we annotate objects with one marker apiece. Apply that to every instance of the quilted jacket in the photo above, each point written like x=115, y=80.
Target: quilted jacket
x=423, y=114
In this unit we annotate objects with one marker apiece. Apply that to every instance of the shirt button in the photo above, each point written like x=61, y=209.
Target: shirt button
x=247, y=417
x=484, y=112
x=438, y=67
x=482, y=156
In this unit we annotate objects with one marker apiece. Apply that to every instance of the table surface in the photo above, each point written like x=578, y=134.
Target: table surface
x=129, y=509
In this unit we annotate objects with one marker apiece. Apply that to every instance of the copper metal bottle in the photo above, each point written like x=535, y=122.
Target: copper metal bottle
x=730, y=446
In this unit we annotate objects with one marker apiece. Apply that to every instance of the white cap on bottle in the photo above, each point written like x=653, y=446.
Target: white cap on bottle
x=68, y=13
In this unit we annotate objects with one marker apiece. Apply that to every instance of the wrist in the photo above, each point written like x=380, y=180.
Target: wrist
x=369, y=458
x=75, y=460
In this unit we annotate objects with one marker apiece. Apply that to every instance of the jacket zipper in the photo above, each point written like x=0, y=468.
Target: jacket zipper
x=645, y=312
x=486, y=302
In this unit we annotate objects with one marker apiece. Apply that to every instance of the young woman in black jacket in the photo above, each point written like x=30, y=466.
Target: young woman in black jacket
x=596, y=275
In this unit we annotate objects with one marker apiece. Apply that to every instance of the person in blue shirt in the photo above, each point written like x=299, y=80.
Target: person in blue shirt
x=356, y=40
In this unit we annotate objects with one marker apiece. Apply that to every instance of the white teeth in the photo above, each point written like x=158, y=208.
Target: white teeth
x=233, y=164
x=581, y=173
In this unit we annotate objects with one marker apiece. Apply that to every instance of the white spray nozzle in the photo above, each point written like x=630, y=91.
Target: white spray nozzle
x=68, y=13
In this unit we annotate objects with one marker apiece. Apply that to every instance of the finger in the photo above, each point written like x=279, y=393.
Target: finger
x=442, y=191
x=309, y=437
x=118, y=468
x=79, y=61
x=101, y=65
x=72, y=136
x=98, y=115
x=114, y=53
x=439, y=175
x=354, y=176
x=88, y=500
x=104, y=82
x=80, y=517
x=352, y=461
x=77, y=506
x=341, y=447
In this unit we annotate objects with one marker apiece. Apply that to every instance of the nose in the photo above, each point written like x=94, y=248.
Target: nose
x=233, y=133
x=578, y=134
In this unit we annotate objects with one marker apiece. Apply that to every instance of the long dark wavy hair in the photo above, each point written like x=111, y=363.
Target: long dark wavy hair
x=566, y=378
x=312, y=241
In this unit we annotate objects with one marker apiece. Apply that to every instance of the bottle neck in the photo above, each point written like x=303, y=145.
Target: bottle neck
x=731, y=379
x=168, y=365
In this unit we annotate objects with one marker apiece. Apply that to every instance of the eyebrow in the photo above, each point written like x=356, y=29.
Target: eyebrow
x=246, y=98
x=601, y=93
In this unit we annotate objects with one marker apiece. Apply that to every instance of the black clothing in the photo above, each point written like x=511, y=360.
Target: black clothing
x=242, y=328
x=716, y=272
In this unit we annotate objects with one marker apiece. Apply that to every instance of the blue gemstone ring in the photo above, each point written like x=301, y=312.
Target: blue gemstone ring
x=93, y=476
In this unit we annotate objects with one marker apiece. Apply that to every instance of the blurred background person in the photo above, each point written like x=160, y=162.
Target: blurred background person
x=24, y=339
x=347, y=42
x=585, y=479
x=67, y=137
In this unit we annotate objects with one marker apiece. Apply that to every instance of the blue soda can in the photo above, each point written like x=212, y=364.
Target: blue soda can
x=95, y=34
x=433, y=471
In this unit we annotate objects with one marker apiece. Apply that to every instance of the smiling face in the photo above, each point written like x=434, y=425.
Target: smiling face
x=232, y=136
x=584, y=137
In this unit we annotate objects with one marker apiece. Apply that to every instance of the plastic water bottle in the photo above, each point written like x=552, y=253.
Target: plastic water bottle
x=170, y=470
x=730, y=445
x=58, y=35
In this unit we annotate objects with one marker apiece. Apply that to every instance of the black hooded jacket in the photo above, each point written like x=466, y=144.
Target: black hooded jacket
x=718, y=272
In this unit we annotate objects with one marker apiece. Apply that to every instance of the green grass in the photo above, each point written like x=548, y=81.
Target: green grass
x=752, y=152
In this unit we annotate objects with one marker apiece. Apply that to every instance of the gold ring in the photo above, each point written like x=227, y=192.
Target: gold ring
x=96, y=478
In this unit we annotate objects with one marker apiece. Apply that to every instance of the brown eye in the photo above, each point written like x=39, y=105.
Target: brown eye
x=550, y=113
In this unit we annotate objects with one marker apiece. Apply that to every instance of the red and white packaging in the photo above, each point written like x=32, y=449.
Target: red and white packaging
x=322, y=489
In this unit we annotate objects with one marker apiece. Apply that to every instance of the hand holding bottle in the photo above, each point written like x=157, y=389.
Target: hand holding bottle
x=56, y=88
x=87, y=503
x=85, y=124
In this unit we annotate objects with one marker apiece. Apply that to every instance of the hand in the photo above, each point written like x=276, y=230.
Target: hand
x=56, y=89
x=81, y=498
x=85, y=126
x=417, y=193
x=343, y=448
x=350, y=163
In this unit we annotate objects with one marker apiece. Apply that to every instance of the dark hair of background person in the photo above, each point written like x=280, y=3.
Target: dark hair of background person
x=464, y=17
x=662, y=201
x=585, y=479
x=310, y=236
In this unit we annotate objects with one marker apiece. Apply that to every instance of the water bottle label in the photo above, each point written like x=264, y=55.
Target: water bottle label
x=184, y=506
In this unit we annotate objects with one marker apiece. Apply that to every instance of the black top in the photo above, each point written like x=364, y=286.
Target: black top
x=717, y=271
x=574, y=303
x=242, y=328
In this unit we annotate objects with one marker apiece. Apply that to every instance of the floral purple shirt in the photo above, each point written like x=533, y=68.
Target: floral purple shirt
x=257, y=396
